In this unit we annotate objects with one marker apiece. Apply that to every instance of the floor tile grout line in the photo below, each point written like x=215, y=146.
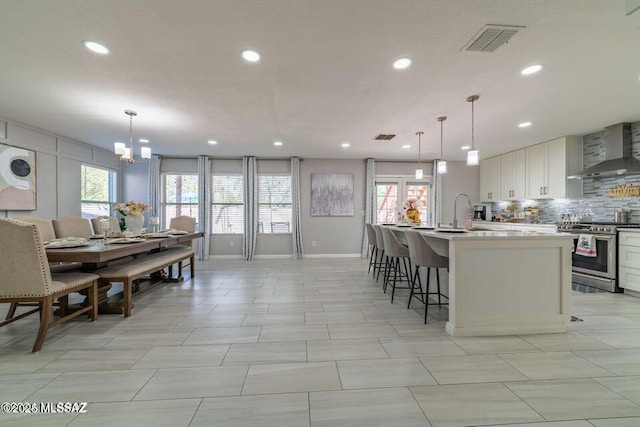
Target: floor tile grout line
x=594, y=379
x=196, y=411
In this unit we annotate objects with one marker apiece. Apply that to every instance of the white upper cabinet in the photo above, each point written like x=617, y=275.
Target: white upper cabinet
x=490, y=179
x=547, y=167
x=513, y=175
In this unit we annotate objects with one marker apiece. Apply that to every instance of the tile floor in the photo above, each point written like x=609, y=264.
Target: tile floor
x=316, y=343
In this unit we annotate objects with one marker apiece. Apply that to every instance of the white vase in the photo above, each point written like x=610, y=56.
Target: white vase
x=134, y=224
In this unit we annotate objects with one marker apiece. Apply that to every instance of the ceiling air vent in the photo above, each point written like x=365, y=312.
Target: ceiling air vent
x=491, y=37
x=384, y=137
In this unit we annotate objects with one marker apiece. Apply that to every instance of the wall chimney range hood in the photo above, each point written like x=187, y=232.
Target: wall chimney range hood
x=618, y=155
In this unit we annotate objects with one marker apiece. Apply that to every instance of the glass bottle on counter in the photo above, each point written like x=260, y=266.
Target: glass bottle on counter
x=469, y=223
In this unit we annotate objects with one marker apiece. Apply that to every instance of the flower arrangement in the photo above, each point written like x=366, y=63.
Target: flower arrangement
x=410, y=203
x=132, y=208
x=411, y=211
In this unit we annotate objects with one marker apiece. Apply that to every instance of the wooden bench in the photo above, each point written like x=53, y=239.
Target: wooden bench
x=131, y=270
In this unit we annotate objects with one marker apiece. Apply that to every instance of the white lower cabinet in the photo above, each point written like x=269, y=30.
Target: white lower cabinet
x=629, y=260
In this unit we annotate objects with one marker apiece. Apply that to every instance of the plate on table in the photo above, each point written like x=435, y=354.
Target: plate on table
x=176, y=232
x=422, y=227
x=63, y=244
x=156, y=235
x=388, y=223
x=125, y=241
x=451, y=230
x=404, y=225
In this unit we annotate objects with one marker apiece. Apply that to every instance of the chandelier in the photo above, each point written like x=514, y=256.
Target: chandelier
x=126, y=153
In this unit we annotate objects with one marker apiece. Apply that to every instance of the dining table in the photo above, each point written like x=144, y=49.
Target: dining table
x=94, y=254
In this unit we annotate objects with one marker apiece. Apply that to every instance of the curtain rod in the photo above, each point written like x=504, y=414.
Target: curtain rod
x=229, y=158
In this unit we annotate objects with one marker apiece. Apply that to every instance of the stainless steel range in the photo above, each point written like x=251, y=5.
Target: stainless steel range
x=600, y=271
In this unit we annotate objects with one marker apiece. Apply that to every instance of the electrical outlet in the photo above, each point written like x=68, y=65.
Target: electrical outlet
x=313, y=243
x=230, y=243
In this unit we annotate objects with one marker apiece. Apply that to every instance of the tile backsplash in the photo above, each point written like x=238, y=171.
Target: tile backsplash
x=596, y=203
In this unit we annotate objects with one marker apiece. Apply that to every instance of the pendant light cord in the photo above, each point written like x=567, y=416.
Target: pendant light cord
x=419, y=146
x=473, y=142
x=472, y=99
x=131, y=134
x=441, y=127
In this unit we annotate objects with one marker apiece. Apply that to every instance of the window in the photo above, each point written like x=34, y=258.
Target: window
x=391, y=192
x=97, y=191
x=180, y=196
x=227, y=207
x=274, y=203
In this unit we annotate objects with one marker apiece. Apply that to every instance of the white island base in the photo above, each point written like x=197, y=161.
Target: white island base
x=506, y=282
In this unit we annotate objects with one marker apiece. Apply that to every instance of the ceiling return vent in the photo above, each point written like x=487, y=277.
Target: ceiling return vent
x=491, y=37
x=384, y=137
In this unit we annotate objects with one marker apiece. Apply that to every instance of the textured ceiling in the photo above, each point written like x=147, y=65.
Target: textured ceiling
x=325, y=76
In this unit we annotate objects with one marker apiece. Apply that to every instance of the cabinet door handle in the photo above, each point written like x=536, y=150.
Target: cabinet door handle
x=541, y=193
x=546, y=190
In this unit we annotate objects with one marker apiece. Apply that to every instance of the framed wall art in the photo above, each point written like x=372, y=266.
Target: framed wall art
x=17, y=179
x=331, y=194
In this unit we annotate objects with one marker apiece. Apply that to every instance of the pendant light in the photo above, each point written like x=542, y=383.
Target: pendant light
x=473, y=157
x=126, y=153
x=442, y=164
x=419, y=171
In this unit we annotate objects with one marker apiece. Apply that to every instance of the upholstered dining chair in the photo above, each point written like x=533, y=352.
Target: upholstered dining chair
x=184, y=223
x=72, y=226
x=47, y=234
x=24, y=270
x=44, y=225
x=113, y=221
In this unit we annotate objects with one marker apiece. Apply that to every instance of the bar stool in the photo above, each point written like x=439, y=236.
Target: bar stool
x=395, y=251
x=373, y=258
x=382, y=266
x=422, y=255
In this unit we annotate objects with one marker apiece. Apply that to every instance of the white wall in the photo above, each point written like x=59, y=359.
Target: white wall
x=58, y=161
x=459, y=178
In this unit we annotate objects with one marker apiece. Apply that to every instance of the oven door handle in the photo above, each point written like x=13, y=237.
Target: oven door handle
x=604, y=237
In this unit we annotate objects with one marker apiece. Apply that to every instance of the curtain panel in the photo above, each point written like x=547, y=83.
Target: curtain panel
x=298, y=250
x=204, y=211
x=155, y=186
x=370, y=203
x=250, y=174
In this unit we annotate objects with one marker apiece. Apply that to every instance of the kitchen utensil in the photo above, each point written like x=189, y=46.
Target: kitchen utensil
x=620, y=216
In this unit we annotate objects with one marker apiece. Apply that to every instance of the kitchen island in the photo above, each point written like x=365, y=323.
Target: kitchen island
x=506, y=282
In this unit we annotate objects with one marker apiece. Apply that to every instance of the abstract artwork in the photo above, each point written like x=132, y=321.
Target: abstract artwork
x=17, y=179
x=331, y=194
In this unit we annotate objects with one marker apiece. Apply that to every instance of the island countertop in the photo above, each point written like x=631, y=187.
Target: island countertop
x=504, y=282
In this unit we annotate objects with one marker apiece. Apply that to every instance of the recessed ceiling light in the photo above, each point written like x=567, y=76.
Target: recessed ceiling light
x=143, y=140
x=406, y=146
x=277, y=143
x=524, y=124
x=465, y=147
x=250, y=55
x=401, y=63
x=345, y=145
x=212, y=142
x=532, y=69
x=95, y=47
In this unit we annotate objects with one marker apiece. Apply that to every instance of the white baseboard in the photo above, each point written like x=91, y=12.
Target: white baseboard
x=274, y=256
x=226, y=257
x=358, y=255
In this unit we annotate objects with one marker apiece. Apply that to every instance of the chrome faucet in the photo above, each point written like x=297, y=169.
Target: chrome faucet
x=454, y=223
